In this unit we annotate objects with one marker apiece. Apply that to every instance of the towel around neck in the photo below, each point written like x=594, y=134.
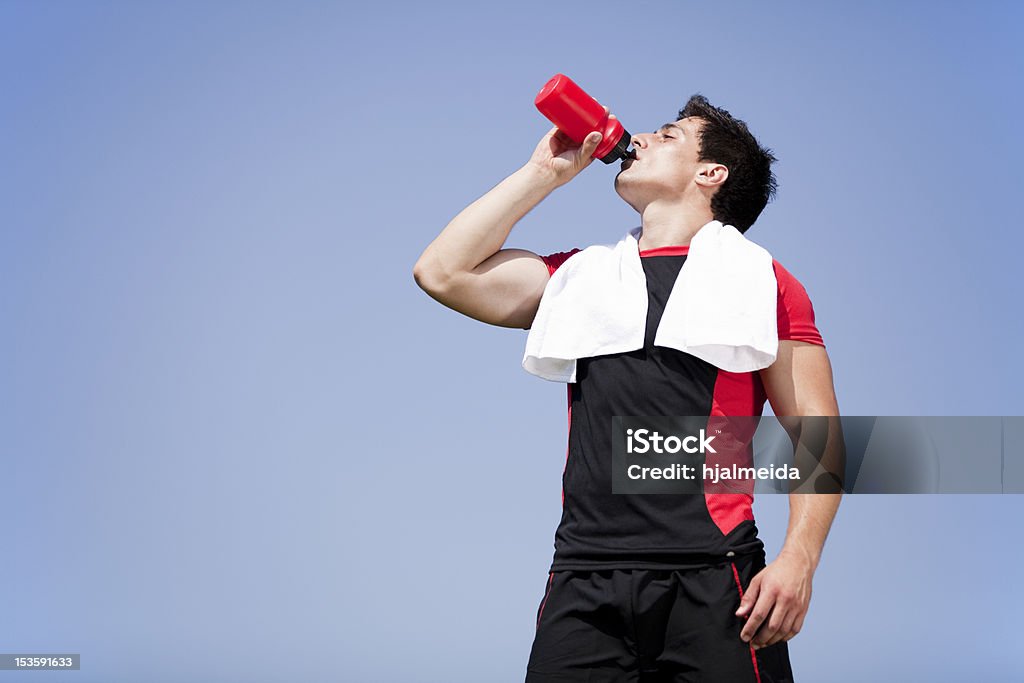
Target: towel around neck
x=722, y=307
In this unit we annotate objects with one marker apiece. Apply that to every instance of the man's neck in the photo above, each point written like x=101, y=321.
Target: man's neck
x=666, y=226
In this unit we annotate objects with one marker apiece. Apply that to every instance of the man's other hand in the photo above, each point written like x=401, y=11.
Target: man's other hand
x=780, y=593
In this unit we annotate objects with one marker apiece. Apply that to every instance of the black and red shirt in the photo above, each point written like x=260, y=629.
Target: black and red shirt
x=602, y=530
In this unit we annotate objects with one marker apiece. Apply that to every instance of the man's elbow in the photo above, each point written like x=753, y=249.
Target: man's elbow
x=818, y=408
x=431, y=278
x=422, y=276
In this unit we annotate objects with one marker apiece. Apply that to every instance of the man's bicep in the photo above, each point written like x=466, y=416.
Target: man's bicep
x=799, y=382
x=504, y=290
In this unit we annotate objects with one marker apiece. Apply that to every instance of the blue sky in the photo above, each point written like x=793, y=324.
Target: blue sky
x=240, y=443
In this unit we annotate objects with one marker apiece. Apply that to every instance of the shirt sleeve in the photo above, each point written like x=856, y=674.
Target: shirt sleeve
x=795, y=312
x=553, y=261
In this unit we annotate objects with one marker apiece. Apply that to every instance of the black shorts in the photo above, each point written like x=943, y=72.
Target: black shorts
x=651, y=625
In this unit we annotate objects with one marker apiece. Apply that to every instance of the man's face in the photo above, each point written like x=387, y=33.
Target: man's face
x=665, y=165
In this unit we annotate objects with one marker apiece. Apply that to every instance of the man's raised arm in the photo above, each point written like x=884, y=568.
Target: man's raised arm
x=465, y=267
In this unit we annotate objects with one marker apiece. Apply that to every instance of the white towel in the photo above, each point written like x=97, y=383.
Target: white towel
x=722, y=307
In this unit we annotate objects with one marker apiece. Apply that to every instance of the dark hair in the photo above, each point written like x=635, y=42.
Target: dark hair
x=727, y=141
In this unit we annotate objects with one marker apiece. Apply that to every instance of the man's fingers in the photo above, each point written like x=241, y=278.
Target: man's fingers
x=757, y=616
x=774, y=630
x=586, y=150
x=556, y=134
x=767, y=630
x=749, y=597
x=788, y=628
x=799, y=625
x=786, y=632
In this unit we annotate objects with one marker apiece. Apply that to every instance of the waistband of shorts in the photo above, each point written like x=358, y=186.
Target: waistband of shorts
x=666, y=561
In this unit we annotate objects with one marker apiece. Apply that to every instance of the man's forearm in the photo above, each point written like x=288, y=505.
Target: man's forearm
x=810, y=517
x=481, y=228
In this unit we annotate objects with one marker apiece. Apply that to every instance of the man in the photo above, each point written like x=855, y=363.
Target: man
x=654, y=587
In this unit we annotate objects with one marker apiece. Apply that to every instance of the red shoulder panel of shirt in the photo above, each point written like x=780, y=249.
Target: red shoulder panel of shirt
x=795, y=312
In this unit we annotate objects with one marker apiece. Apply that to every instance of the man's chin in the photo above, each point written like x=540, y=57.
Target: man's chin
x=622, y=183
x=624, y=195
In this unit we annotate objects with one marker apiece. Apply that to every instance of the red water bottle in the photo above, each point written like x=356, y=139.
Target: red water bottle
x=577, y=114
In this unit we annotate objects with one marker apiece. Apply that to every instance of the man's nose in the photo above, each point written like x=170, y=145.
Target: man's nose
x=638, y=140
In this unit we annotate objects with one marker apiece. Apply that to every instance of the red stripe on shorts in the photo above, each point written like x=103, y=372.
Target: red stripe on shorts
x=551, y=577
x=753, y=655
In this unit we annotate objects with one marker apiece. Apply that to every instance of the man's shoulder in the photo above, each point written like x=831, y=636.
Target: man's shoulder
x=795, y=312
x=554, y=261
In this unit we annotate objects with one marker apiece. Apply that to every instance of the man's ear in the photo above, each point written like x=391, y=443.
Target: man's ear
x=712, y=175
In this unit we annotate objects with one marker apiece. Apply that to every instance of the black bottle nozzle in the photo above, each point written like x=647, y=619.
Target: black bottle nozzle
x=631, y=154
x=619, y=151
